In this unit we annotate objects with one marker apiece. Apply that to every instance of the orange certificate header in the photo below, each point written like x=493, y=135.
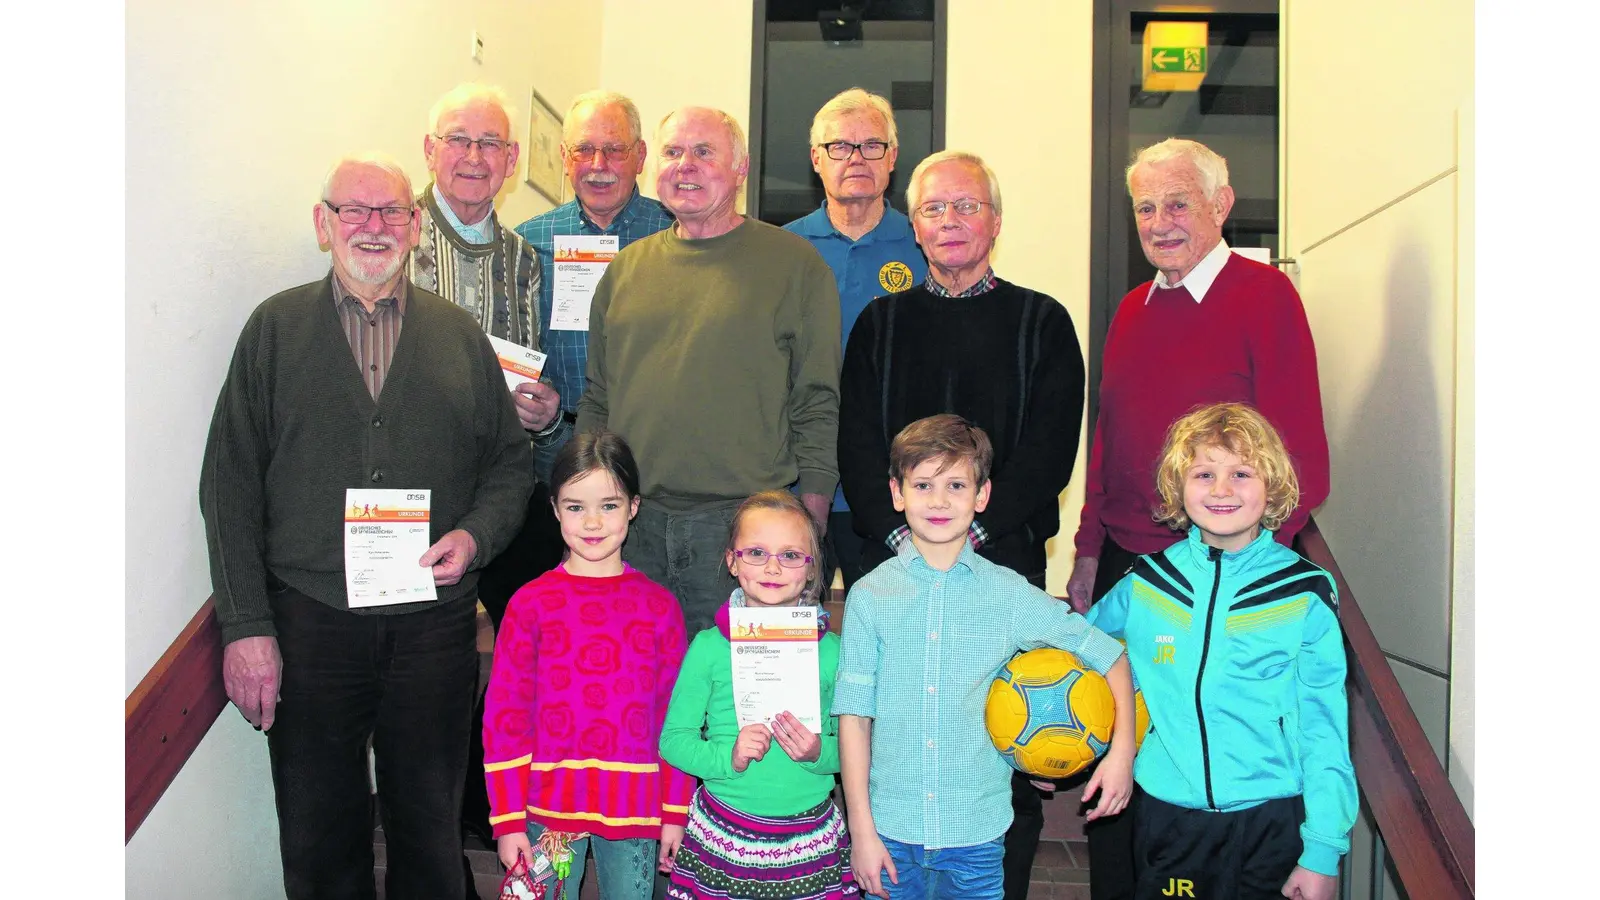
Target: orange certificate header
x=752, y=631
x=519, y=367
x=569, y=254
x=375, y=513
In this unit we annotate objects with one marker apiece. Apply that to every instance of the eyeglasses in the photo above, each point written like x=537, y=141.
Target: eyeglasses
x=789, y=559
x=933, y=209
x=612, y=152
x=843, y=149
x=460, y=143
x=351, y=214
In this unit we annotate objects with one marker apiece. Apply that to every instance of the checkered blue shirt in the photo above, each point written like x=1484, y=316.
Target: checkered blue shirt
x=919, y=649
x=569, y=350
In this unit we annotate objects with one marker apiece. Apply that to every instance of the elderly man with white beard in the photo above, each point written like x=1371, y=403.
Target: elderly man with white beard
x=360, y=382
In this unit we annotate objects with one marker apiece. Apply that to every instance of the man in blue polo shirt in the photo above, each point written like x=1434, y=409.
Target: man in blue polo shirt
x=869, y=245
x=603, y=152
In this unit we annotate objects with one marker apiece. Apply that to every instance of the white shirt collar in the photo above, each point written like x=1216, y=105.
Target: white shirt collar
x=479, y=232
x=1199, y=278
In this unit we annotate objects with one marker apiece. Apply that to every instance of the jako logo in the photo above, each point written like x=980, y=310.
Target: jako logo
x=1164, y=649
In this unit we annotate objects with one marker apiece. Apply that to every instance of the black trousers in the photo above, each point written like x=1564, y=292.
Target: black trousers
x=842, y=547
x=1202, y=855
x=1111, y=864
x=1027, y=823
x=535, y=550
x=405, y=681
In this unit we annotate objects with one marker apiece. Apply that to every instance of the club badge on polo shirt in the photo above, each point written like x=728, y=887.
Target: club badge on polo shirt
x=895, y=276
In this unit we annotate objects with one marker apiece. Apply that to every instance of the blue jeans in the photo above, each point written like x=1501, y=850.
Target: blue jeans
x=626, y=868
x=949, y=873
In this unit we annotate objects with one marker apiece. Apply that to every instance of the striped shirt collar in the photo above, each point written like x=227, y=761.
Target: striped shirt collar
x=341, y=294
x=983, y=285
x=1199, y=279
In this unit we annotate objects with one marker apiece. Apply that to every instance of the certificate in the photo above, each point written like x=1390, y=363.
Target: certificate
x=385, y=533
x=517, y=363
x=580, y=260
x=775, y=664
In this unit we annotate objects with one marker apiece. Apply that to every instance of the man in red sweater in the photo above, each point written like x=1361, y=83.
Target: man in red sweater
x=1212, y=326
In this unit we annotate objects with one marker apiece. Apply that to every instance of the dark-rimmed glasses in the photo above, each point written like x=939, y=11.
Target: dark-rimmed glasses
x=842, y=149
x=351, y=214
x=789, y=559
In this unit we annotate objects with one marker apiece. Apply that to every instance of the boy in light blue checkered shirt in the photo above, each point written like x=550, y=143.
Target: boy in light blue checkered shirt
x=928, y=796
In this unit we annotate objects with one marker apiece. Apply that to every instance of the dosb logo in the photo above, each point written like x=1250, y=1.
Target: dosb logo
x=416, y=496
x=800, y=614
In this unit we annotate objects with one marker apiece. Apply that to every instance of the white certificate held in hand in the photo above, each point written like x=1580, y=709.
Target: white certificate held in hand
x=580, y=260
x=385, y=534
x=517, y=363
x=775, y=664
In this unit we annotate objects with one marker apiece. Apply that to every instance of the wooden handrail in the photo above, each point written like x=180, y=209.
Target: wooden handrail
x=170, y=711
x=1425, y=828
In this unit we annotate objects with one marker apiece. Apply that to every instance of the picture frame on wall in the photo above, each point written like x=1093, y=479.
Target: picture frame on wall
x=543, y=149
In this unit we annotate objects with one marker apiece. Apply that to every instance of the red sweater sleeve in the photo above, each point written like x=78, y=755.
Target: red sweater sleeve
x=1284, y=380
x=508, y=727
x=1091, y=531
x=677, y=788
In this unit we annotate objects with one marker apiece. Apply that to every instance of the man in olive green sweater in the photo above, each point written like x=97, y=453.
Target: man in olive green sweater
x=714, y=351
x=360, y=380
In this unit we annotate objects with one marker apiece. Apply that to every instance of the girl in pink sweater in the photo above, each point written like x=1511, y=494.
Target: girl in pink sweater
x=584, y=667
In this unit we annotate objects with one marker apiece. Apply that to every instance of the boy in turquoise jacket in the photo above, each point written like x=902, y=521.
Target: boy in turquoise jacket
x=1244, y=786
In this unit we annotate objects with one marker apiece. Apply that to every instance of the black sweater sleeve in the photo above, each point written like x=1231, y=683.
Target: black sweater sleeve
x=863, y=446
x=1040, y=466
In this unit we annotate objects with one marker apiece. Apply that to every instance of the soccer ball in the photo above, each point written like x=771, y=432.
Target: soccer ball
x=1048, y=714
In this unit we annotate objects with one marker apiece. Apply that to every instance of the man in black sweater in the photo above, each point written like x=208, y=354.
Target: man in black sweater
x=1003, y=356
x=359, y=381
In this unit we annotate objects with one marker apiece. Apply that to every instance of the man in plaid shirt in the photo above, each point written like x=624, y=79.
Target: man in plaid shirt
x=603, y=151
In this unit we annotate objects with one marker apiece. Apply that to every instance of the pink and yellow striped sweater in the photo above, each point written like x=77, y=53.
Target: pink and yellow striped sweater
x=583, y=673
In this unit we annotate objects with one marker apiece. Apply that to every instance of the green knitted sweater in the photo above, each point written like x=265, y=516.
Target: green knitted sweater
x=718, y=361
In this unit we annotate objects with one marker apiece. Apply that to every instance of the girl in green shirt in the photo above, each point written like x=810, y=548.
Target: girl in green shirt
x=762, y=825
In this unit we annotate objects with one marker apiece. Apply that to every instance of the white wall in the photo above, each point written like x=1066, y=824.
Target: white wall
x=234, y=113
x=1378, y=210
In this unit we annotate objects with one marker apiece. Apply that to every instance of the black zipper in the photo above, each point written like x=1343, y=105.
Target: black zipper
x=1205, y=650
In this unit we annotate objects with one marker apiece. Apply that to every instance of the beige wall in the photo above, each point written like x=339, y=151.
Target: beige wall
x=1043, y=166
x=636, y=40
x=234, y=112
x=1378, y=198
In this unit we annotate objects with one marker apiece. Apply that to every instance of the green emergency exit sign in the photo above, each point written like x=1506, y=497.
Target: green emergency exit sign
x=1178, y=59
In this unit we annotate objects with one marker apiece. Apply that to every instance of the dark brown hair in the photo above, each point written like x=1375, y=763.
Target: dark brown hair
x=946, y=437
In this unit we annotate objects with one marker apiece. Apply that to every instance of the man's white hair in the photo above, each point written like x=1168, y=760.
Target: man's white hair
x=741, y=147
x=374, y=159
x=599, y=100
x=466, y=94
x=855, y=100
x=914, y=188
x=1213, y=169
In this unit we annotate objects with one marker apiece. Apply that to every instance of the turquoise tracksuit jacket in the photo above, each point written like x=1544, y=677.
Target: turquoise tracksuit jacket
x=1242, y=665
